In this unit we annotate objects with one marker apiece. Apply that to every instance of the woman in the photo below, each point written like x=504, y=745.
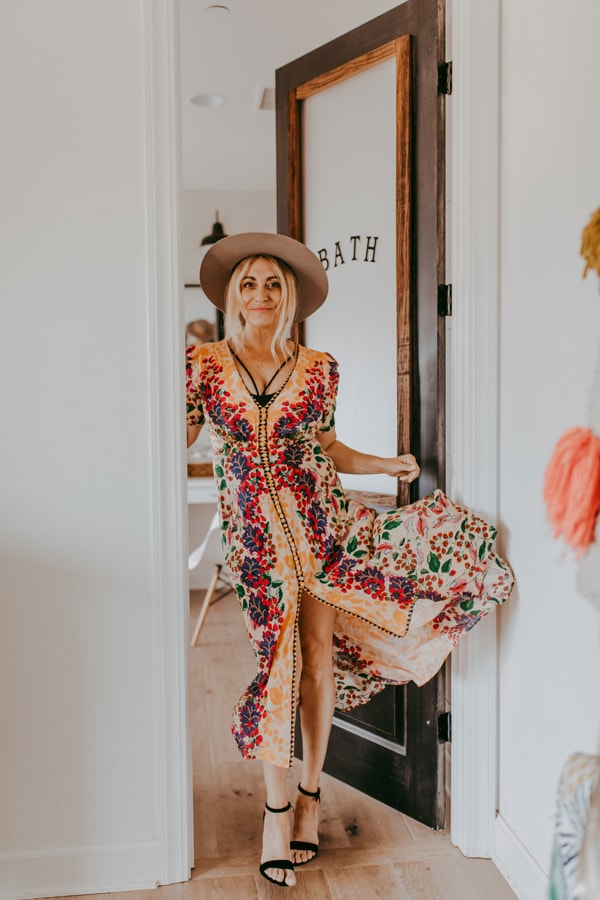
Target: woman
x=338, y=601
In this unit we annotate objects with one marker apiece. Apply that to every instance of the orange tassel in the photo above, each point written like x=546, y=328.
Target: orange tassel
x=572, y=487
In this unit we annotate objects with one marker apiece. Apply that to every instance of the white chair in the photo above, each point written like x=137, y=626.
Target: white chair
x=209, y=551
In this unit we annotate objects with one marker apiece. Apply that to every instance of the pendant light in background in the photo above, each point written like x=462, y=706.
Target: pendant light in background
x=195, y=253
x=216, y=234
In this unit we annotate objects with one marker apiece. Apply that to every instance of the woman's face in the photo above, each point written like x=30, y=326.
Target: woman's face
x=260, y=293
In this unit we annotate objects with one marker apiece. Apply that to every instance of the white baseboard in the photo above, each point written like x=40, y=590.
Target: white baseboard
x=80, y=870
x=517, y=866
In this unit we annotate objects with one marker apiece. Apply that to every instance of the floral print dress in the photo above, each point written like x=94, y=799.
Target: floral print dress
x=406, y=583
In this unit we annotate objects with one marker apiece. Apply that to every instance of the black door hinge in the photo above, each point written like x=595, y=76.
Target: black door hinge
x=445, y=78
x=445, y=727
x=445, y=299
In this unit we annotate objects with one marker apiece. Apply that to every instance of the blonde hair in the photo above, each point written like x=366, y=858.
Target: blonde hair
x=234, y=320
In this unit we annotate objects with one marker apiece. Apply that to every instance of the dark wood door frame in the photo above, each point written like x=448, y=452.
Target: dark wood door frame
x=423, y=357
x=423, y=20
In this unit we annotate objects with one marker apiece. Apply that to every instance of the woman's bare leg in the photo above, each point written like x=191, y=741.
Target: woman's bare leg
x=277, y=826
x=317, y=700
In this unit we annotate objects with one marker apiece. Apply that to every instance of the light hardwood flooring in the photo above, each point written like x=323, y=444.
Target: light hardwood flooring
x=367, y=850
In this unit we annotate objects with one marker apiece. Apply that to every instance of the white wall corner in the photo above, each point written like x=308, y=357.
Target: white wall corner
x=168, y=489
x=473, y=155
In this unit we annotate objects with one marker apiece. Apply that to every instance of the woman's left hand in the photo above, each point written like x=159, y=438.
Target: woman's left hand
x=404, y=467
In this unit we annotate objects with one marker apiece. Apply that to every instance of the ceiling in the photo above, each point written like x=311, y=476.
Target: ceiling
x=234, y=51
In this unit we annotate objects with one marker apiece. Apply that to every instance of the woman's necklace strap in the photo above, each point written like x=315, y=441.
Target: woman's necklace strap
x=273, y=377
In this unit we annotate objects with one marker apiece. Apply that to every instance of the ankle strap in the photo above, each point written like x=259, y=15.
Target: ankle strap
x=282, y=810
x=316, y=795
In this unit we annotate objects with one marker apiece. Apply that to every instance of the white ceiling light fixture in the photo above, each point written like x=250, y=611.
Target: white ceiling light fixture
x=210, y=100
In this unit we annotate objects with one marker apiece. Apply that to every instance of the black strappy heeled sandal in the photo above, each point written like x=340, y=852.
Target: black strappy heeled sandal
x=307, y=845
x=276, y=863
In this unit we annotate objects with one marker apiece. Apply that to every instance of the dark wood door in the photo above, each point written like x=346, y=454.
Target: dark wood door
x=390, y=748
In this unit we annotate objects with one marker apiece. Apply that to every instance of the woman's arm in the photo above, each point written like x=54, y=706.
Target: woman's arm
x=193, y=400
x=352, y=462
x=192, y=433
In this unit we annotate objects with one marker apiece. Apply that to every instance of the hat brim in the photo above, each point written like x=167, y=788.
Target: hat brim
x=224, y=255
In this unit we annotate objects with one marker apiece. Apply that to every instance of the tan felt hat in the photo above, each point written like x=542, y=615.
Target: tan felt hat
x=224, y=255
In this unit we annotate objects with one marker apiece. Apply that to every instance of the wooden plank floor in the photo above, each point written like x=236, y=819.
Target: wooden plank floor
x=367, y=850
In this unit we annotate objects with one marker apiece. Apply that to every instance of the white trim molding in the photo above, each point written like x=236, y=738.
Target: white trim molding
x=168, y=489
x=473, y=214
x=104, y=868
x=520, y=869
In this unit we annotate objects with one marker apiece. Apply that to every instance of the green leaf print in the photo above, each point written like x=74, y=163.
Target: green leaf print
x=447, y=565
x=433, y=562
x=393, y=524
x=220, y=472
x=352, y=544
x=482, y=550
x=467, y=605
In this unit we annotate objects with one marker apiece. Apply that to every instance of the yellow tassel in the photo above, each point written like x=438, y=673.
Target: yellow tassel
x=590, y=244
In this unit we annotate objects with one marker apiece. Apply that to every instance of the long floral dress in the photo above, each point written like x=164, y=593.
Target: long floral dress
x=406, y=583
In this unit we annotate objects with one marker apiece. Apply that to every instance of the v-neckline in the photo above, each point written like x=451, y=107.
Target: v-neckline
x=271, y=397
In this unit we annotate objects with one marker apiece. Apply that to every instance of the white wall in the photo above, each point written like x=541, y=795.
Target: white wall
x=550, y=331
x=83, y=729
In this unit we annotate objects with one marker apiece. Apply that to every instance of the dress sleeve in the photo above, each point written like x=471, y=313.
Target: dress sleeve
x=331, y=381
x=195, y=413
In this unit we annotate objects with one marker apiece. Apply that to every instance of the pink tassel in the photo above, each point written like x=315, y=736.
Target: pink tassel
x=572, y=487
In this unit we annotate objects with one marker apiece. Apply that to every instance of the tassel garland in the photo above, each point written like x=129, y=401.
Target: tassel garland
x=590, y=244
x=572, y=487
